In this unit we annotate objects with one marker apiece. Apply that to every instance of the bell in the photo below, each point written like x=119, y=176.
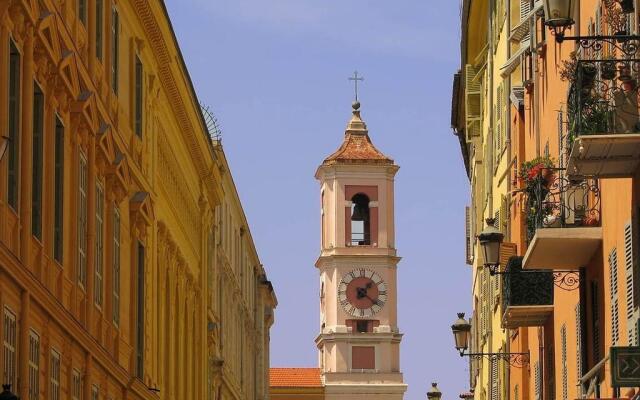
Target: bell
x=359, y=214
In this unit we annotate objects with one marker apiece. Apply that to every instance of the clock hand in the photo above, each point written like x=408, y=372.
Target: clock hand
x=372, y=300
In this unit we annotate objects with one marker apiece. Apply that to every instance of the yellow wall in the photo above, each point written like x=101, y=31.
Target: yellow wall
x=166, y=184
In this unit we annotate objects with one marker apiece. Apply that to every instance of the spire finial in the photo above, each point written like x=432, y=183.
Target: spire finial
x=356, y=78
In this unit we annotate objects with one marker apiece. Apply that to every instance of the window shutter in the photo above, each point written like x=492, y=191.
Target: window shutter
x=613, y=291
x=538, y=381
x=468, y=235
x=595, y=320
x=525, y=9
x=473, y=102
x=565, y=374
x=579, y=342
x=631, y=288
x=494, y=379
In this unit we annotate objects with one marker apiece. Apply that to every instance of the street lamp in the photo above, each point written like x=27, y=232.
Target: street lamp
x=559, y=13
x=461, y=329
x=490, y=240
x=558, y=16
x=6, y=393
x=461, y=332
x=434, y=393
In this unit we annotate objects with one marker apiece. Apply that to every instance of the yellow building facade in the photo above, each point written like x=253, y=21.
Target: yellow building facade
x=111, y=205
x=566, y=294
x=480, y=118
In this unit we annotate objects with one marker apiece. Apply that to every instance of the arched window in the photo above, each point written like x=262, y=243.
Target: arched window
x=360, y=220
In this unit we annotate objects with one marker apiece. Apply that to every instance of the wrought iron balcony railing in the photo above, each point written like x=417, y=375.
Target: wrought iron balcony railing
x=603, y=97
x=553, y=200
x=526, y=288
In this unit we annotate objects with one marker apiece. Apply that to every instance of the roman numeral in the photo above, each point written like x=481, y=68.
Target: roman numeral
x=363, y=272
x=362, y=312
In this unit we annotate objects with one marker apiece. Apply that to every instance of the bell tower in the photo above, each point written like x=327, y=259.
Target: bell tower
x=359, y=339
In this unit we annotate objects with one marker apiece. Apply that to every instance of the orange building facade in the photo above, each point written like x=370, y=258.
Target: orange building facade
x=568, y=285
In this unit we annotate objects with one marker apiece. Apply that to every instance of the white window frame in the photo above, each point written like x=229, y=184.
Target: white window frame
x=34, y=365
x=98, y=277
x=116, y=266
x=9, y=347
x=83, y=202
x=54, y=375
x=76, y=385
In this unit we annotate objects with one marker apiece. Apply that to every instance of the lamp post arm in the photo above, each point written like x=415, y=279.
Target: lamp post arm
x=517, y=360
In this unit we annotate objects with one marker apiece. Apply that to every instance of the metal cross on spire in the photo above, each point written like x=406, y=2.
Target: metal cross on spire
x=356, y=78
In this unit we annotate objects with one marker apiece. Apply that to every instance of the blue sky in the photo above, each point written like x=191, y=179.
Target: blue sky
x=275, y=73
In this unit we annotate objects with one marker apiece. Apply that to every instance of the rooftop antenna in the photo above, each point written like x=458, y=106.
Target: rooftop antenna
x=213, y=125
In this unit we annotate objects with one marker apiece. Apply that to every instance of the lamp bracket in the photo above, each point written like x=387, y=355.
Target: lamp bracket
x=517, y=360
x=627, y=44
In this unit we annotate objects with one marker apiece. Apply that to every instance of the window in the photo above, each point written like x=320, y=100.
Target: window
x=360, y=221
x=116, y=266
x=36, y=190
x=115, y=49
x=95, y=392
x=54, y=372
x=9, y=347
x=58, y=196
x=138, y=97
x=82, y=221
x=140, y=314
x=13, y=150
x=99, y=28
x=34, y=366
x=82, y=11
x=99, y=247
x=76, y=385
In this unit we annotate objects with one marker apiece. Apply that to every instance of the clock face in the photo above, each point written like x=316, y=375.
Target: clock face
x=362, y=293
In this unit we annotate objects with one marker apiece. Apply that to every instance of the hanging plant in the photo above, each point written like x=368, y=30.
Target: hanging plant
x=537, y=176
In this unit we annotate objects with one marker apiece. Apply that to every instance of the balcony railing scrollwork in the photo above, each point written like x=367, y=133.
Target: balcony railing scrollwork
x=603, y=99
x=554, y=200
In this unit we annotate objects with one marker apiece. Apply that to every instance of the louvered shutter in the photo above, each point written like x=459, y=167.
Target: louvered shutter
x=579, y=342
x=613, y=292
x=497, y=129
x=494, y=379
x=468, y=236
x=630, y=284
x=525, y=9
x=565, y=374
x=595, y=320
x=538, y=380
x=473, y=102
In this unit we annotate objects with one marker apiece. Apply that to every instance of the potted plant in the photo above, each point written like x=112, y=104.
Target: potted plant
x=588, y=72
x=608, y=69
x=627, y=6
x=624, y=72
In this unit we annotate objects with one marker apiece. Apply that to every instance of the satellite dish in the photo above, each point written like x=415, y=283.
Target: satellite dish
x=213, y=125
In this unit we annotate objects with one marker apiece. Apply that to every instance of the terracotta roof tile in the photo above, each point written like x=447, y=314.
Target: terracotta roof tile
x=295, y=377
x=357, y=146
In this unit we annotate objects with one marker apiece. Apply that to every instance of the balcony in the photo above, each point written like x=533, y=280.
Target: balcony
x=527, y=296
x=563, y=221
x=604, y=123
